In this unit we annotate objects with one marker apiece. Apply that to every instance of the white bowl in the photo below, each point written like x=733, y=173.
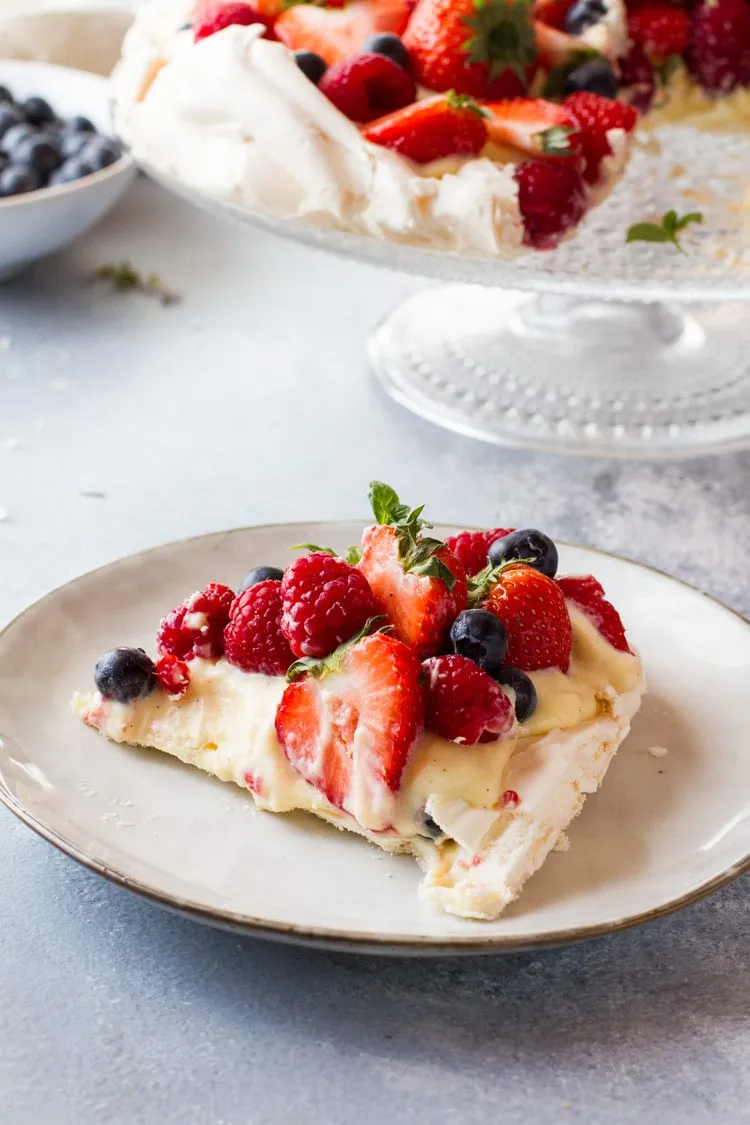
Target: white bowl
x=40, y=223
x=66, y=32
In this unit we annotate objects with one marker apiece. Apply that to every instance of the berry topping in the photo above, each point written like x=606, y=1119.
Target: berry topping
x=125, y=674
x=392, y=46
x=532, y=608
x=583, y=14
x=588, y=595
x=637, y=78
x=533, y=125
x=337, y=33
x=428, y=130
x=533, y=547
x=595, y=117
x=718, y=52
x=552, y=200
x=17, y=180
x=73, y=169
x=80, y=124
x=368, y=86
x=349, y=729
x=480, y=636
x=417, y=582
x=463, y=703
x=325, y=602
x=595, y=77
x=173, y=675
x=661, y=29
x=260, y=574
x=214, y=15
x=195, y=627
x=100, y=152
x=471, y=547
x=510, y=798
x=10, y=116
x=37, y=111
x=480, y=47
x=311, y=65
x=40, y=151
x=524, y=689
x=253, y=639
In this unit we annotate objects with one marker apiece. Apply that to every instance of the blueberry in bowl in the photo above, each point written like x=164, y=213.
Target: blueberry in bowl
x=60, y=169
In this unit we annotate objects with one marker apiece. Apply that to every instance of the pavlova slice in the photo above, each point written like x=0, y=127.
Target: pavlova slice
x=455, y=700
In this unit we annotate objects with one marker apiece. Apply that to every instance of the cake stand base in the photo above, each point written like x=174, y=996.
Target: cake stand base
x=609, y=378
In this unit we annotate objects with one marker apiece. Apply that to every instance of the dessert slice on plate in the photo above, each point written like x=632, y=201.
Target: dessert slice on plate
x=456, y=699
x=466, y=125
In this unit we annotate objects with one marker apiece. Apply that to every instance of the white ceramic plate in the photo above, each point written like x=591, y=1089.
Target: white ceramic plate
x=663, y=831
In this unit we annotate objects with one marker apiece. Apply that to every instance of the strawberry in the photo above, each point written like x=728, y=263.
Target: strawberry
x=480, y=47
x=337, y=34
x=718, y=52
x=532, y=608
x=433, y=128
x=214, y=15
x=595, y=116
x=534, y=125
x=661, y=29
x=418, y=583
x=368, y=86
x=588, y=595
x=348, y=727
x=552, y=200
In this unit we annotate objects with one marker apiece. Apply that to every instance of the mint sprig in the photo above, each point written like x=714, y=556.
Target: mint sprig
x=417, y=552
x=666, y=231
x=351, y=554
x=325, y=665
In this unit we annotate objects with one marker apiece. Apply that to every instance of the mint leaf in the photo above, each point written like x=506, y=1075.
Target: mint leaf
x=665, y=231
x=647, y=232
x=353, y=555
x=385, y=504
x=314, y=547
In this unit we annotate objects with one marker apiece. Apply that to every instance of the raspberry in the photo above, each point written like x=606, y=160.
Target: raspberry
x=326, y=601
x=587, y=593
x=462, y=702
x=253, y=639
x=471, y=547
x=718, y=54
x=552, y=199
x=212, y=16
x=661, y=29
x=173, y=675
x=638, y=78
x=195, y=627
x=368, y=86
x=596, y=116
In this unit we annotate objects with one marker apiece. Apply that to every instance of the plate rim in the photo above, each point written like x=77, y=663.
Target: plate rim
x=342, y=939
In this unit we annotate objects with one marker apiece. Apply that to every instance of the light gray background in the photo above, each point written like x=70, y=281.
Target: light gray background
x=124, y=424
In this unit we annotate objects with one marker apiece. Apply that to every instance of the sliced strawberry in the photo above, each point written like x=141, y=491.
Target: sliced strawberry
x=349, y=731
x=533, y=125
x=433, y=128
x=588, y=595
x=533, y=610
x=337, y=34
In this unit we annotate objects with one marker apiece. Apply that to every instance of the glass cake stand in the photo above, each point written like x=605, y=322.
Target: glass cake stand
x=600, y=347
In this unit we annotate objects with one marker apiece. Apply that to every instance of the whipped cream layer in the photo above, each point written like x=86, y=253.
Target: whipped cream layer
x=233, y=116
x=225, y=726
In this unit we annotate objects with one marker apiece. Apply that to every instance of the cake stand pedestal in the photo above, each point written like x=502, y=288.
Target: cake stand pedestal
x=601, y=347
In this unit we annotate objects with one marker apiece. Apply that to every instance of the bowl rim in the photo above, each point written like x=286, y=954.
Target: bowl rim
x=112, y=171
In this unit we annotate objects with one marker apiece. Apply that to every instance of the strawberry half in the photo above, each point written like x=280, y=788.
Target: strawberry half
x=418, y=583
x=480, y=47
x=533, y=125
x=337, y=34
x=349, y=729
x=532, y=608
x=588, y=595
x=436, y=127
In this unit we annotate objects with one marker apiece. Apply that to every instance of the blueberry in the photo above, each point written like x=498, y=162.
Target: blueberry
x=428, y=827
x=522, y=685
x=125, y=674
x=71, y=143
x=534, y=546
x=583, y=14
x=100, y=152
x=40, y=151
x=594, y=77
x=311, y=65
x=17, y=180
x=80, y=124
x=481, y=636
x=37, y=111
x=15, y=136
x=260, y=574
x=390, y=46
x=10, y=118
x=75, y=168
x=5, y=95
